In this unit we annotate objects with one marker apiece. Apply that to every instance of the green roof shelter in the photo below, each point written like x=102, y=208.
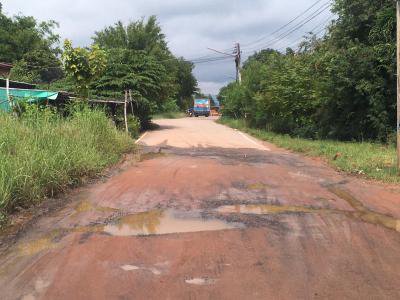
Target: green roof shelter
x=24, y=95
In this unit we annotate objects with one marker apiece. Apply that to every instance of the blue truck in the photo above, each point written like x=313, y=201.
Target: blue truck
x=202, y=107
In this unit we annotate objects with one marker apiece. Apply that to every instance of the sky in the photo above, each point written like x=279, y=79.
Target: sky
x=191, y=26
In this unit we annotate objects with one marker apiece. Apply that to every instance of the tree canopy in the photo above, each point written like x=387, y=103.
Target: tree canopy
x=133, y=56
x=139, y=59
x=32, y=46
x=341, y=86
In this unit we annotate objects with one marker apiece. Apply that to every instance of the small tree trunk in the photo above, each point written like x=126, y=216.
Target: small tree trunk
x=125, y=111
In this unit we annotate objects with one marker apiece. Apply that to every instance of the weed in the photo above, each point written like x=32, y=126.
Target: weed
x=371, y=160
x=41, y=153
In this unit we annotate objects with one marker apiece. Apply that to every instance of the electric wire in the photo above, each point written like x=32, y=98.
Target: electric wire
x=288, y=33
x=284, y=26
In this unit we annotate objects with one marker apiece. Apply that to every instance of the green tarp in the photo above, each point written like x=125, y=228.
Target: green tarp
x=30, y=96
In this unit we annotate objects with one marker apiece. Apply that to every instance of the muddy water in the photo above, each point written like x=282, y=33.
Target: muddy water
x=263, y=209
x=155, y=222
x=87, y=206
x=360, y=213
x=159, y=222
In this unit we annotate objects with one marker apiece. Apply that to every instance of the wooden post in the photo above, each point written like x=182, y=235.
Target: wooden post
x=130, y=99
x=8, y=92
x=398, y=83
x=125, y=111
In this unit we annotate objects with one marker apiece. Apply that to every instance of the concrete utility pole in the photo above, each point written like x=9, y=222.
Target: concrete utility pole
x=237, y=54
x=238, y=61
x=398, y=83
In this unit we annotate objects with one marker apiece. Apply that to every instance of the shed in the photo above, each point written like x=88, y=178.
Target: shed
x=5, y=69
x=15, y=96
x=16, y=84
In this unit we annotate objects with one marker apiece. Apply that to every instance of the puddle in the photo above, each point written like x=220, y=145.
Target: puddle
x=360, y=213
x=364, y=213
x=263, y=209
x=258, y=186
x=36, y=246
x=200, y=281
x=160, y=222
x=87, y=206
x=151, y=155
x=156, y=222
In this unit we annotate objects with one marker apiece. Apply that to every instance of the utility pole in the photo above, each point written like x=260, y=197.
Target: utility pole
x=398, y=83
x=237, y=55
x=238, y=62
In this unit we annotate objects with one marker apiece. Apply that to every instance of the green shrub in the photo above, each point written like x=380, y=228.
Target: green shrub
x=134, y=126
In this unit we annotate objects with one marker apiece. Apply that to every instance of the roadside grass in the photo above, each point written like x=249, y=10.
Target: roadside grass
x=169, y=115
x=41, y=154
x=370, y=160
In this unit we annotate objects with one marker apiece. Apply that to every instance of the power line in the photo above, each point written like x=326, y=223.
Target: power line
x=289, y=32
x=279, y=38
x=284, y=26
x=315, y=30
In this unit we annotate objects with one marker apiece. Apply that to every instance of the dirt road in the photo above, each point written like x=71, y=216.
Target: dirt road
x=211, y=213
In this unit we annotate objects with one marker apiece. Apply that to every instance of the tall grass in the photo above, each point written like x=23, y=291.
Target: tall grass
x=41, y=153
x=370, y=160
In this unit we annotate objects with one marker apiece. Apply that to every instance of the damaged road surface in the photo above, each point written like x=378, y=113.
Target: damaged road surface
x=211, y=213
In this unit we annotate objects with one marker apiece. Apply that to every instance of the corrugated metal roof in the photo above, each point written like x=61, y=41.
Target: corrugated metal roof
x=5, y=65
x=17, y=84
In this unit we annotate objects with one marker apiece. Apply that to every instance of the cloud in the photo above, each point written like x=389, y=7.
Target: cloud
x=190, y=26
x=210, y=87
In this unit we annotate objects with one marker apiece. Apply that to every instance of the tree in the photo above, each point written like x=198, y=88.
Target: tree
x=31, y=46
x=139, y=59
x=139, y=35
x=341, y=86
x=187, y=83
x=83, y=65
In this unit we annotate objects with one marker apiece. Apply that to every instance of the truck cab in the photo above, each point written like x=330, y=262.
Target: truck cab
x=202, y=107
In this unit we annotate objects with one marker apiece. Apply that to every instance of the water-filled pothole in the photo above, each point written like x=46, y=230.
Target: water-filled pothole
x=158, y=222
x=155, y=222
x=263, y=209
x=360, y=212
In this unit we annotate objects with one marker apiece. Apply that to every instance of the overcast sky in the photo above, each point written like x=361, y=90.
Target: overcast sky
x=190, y=25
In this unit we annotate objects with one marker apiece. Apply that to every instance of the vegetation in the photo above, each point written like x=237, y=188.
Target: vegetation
x=341, y=86
x=139, y=59
x=41, y=153
x=133, y=56
x=31, y=46
x=370, y=160
x=83, y=66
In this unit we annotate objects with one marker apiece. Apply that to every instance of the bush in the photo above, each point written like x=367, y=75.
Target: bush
x=41, y=154
x=134, y=126
x=170, y=106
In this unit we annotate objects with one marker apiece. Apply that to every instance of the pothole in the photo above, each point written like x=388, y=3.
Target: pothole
x=263, y=209
x=159, y=222
x=155, y=222
x=360, y=213
x=87, y=206
x=151, y=155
